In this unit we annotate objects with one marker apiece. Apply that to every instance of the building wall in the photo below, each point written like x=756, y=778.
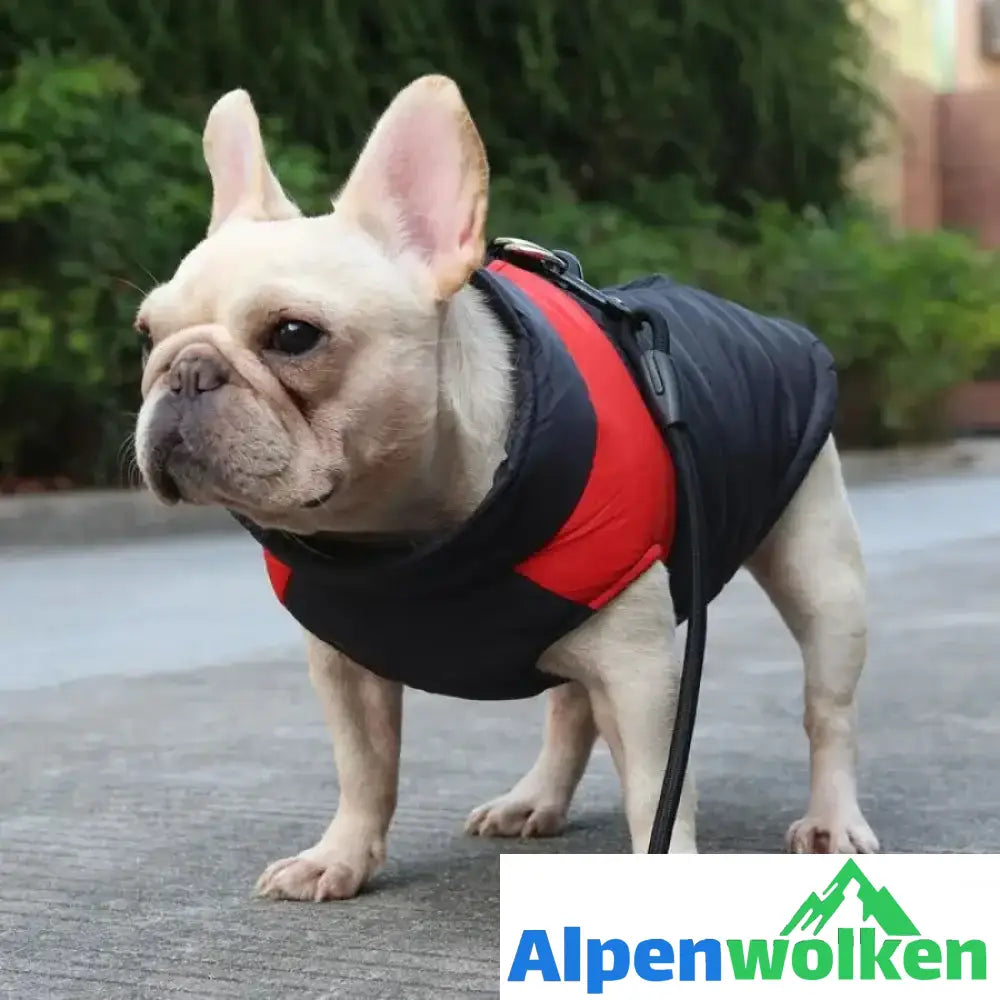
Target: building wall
x=937, y=162
x=904, y=173
x=969, y=130
x=908, y=31
x=971, y=70
x=921, y=166
x=940, y=165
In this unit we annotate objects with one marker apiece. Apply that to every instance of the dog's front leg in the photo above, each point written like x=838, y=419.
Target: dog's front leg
x=625, y=657
x=364, y=714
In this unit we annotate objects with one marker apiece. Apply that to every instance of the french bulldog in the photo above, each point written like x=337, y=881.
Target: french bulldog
x=338, y=376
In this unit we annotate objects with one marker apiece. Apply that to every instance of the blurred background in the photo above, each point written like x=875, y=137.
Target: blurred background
x=835, y=161
x=831, y=161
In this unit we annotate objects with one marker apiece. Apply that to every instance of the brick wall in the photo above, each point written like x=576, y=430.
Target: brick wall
x=920, y=162
x=903, y=174
x=938, y=161
x=972, y=70
x=969, y=130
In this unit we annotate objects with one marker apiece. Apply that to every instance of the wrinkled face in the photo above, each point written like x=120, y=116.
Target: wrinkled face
x=292, y=372
x=292, y=368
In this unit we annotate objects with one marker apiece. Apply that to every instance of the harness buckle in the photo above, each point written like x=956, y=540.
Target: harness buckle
x=513, y=248
x=563, y=270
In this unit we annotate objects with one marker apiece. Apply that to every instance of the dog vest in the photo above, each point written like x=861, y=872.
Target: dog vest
x=585, y=500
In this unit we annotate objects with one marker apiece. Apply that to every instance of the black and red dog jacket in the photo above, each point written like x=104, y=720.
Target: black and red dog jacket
x=585, y=501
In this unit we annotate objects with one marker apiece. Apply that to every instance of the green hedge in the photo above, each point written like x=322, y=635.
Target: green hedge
x=907, y=315
x=765, y=98
x=100, y=195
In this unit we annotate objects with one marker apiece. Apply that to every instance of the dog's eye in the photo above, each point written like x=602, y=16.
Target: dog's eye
x=293, y=336
x=145, y=341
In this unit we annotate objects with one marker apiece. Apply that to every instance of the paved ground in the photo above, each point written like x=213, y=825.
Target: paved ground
x=159, y=743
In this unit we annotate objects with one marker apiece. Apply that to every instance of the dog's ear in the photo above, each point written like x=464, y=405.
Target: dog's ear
x=420, y=184
x=243, y=185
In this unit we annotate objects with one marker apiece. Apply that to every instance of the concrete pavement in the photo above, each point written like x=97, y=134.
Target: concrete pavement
x=155, y=755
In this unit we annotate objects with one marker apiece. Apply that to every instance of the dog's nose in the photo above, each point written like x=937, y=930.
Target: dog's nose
x=195, y=372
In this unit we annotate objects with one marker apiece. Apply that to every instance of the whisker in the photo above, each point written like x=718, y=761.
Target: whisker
x=127, y=462
x=134, y=475
x=152, y=277
x=131, y=284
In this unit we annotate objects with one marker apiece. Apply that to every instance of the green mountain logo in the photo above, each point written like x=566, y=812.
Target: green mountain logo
x=877, y=904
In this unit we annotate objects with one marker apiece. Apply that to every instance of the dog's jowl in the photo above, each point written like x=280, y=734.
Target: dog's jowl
x=457, y=487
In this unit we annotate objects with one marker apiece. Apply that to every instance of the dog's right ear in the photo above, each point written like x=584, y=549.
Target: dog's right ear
x=243, y=185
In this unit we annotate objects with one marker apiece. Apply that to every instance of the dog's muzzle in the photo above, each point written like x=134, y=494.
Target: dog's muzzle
x=195, y=373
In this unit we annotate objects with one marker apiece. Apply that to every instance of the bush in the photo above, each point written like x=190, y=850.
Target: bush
x=739, y=97
x=907, y=315
x=99, y=197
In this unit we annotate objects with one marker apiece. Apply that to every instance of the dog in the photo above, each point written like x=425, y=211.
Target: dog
x=339, y=377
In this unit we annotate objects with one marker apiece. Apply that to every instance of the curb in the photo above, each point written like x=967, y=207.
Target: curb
x=93, y=516
x=965, y=456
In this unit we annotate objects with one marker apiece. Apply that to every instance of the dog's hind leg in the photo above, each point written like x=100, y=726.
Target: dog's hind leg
x=810, y=566
x=537, y=805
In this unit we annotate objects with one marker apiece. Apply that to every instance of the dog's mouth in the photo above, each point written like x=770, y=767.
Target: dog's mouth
x=162, y=482
x=186, y=461
x=166, y=488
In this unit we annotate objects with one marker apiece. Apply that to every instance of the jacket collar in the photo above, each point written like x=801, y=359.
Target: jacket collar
x=534, y=490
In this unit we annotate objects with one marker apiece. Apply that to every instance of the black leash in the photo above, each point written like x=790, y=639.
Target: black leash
x=646, y=345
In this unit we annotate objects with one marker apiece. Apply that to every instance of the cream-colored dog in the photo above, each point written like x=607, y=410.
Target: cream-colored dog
x=338, y=374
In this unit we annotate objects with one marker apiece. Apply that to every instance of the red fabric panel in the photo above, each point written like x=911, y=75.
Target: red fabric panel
x=625, y=518
x=278, y=573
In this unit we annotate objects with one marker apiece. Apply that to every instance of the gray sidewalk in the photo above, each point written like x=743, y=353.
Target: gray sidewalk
x=153, y=760
x=91, y=516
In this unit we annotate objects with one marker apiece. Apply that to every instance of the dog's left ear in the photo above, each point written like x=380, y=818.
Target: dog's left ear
x=420, y=184
x=243, y=185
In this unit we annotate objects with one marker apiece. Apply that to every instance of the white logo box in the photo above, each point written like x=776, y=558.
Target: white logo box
x=622, y=926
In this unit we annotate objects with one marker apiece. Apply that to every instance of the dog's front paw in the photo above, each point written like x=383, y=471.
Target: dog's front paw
x=517, y=815
x=320, y=873
x=832, y=834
